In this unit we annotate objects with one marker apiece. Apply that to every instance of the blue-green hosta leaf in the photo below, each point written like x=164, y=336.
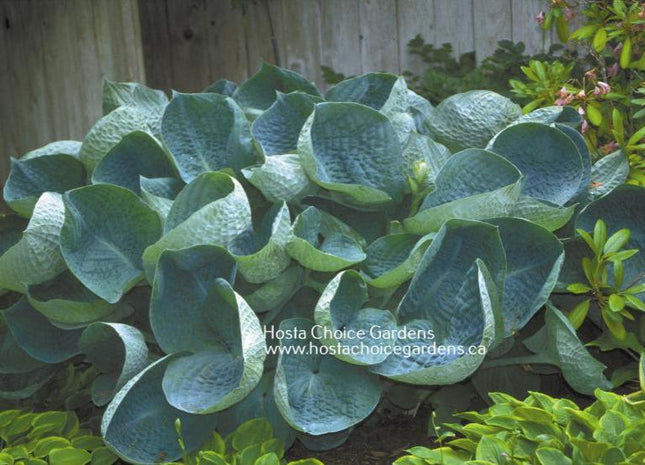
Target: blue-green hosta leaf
x=585, y=156
x=549, y=115
x=549, y=216
x=278, y=128
x=549, y=160
x=261, y=256
x=558, y=344
x=139, y=423
x=624, y=207
x=106, y=230
x=384, y=92
x=118, y=351
x=421, y=111
x=19, y=386
x=213, y=209
x=423, y=155
x=180, y=288
x=206, y=132
x=13, y=359
x=608, y=173
x=65, y=301
x=393, y=259
x=228, y=351
x=260, y=90
x=149, y=102
x=29, y=178
x=258, y=404
x=65, y=147
x=534, y=258
x=455, y=294
x=318, y=394
x=36, y=257
x=281, y=179
x=471, y=119
x=473, y=184
x=371, y=89
x=320, y=242
x=159, y=193
x=107, y=132
x=222, y=86
x=275, y=293
x=137, y=154
x=352, y=149
x=339, y=311
x=38, y=337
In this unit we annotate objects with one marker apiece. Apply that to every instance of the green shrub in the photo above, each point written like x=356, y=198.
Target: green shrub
x=545, y=431
x=607, y=85
x=53, y=438
x=172, y=244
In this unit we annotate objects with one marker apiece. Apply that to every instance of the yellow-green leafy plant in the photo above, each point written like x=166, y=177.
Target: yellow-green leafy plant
x=49, y=438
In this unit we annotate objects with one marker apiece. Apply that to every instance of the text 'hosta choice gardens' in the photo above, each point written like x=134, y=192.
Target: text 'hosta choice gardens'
x=269, y=250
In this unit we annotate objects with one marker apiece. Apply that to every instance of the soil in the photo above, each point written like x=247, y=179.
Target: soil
x=378, y=441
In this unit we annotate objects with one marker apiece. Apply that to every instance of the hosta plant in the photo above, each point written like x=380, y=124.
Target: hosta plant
x=542, y=430
x=266, y=250
x=49, y=438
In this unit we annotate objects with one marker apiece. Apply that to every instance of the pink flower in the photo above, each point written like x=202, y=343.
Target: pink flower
x=569, y=13
x=540, y=18
x=613, y=70
x=591, y=74
x=609, y=147
x=602, y=88
x=563, y=92
x=585, y=126
x=581, y=111
x=581, y=95
x=617, y=49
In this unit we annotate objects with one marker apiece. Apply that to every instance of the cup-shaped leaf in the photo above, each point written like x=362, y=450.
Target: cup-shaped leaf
x=106, y=230
x=137, y=154
x=36, y=257
x=206, y=132
x=149, y=102
x=118, y=351
x=261, y=255
x=608, y=173
x=275, y=293
x=358, y=332
x=280, y=178
x=549, y=160
x=179, y=291
x=393, y=259
x=260, y=90
x=471, y=119
x=320, y=242
x=380, y=91
x=317, y=394
x=29, y=178
x=13, y=359
x=278, y=128
x=107, y=132
x=353, y=149
x=66, y=302
x=550, y=216
x=534, y=258
x=35, y=334
x=228, y=352
x=213, y=209
x=139, y=423
x=452, y=302
x=472, y=184
x=65, y=147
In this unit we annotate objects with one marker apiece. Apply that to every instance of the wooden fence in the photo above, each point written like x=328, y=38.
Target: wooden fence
x=54, y=54
x=189, y=44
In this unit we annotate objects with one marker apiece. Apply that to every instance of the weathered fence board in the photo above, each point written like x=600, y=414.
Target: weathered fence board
x=54, y=56
x=351, y=36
